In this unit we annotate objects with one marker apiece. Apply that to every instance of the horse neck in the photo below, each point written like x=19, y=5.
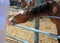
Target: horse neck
x=43, y=7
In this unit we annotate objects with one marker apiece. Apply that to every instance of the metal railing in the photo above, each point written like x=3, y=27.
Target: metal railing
x=36, y=31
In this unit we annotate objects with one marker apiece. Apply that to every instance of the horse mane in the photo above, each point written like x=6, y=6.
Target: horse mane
x=43, y=7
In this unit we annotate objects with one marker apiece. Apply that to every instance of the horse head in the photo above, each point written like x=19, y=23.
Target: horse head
x=28, y=13
x=21, y=17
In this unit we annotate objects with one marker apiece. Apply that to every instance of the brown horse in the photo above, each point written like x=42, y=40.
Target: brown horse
x=51, y=8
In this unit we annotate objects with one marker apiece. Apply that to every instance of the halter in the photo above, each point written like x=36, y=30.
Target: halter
x=21, y=12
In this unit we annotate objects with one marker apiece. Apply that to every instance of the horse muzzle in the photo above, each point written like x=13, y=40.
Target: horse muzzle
x=12, y=21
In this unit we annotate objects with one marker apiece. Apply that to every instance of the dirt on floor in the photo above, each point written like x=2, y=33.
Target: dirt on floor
x=45, y=25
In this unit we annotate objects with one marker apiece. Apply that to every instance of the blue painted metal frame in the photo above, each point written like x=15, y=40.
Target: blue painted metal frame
x=36, y=35
x=38, y=31
x=37, y=2
x=55, y=17
x=17, y=39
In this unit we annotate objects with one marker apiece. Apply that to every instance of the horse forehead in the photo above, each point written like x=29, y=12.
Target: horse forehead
x=21, y=12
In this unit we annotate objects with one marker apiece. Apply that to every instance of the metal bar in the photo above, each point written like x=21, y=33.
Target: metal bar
x=39, y=31
x=56, y=17
x=17, y=39
x=36, y=35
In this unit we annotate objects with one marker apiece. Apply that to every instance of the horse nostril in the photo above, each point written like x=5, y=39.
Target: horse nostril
x=12, y=20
